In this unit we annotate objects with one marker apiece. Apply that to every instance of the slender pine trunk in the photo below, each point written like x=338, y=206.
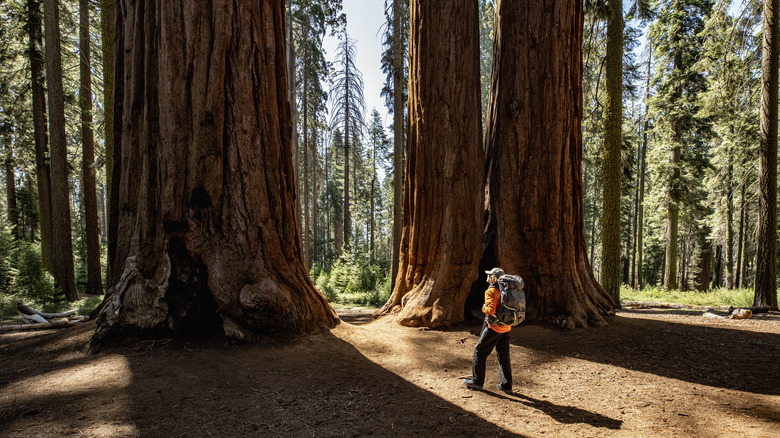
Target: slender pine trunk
x=730, y=225
x=613, y=119
x=62, y=244
x=10, y=191
x=398, y=138
x=42, y=169
x=89, y=186
x=113, y=167
x=740, y=279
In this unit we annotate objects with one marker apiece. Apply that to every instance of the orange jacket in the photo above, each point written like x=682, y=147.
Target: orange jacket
x=492, y=300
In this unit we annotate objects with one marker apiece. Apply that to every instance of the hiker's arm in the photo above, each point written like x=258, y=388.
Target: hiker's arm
x=491, y=299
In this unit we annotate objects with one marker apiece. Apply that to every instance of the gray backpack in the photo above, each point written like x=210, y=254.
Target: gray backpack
x=511, y=310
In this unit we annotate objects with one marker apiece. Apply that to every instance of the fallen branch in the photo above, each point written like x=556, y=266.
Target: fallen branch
x=658, y=305
x=754, y=309
x=27, y=310
x=30, y=327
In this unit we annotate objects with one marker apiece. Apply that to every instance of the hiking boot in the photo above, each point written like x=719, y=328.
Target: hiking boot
x=506, y=390
x=472, y=384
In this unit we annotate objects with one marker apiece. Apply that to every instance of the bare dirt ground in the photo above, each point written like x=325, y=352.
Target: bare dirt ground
x=648, y=374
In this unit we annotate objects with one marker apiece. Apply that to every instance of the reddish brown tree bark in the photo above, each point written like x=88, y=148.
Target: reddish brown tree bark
x=62, y=245
x=42, y=171
x=207, y=191
x=398, y=137
x=534, y=156
x=443, y=195
x=89, y=186
x=108, y=34
x=765, y=286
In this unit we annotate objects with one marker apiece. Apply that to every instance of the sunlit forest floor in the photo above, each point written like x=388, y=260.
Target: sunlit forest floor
x=650, y=373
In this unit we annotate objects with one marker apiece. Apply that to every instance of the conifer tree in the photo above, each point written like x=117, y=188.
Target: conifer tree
x=677, y=44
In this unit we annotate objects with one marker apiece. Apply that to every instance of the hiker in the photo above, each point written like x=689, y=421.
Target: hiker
x=493, y=336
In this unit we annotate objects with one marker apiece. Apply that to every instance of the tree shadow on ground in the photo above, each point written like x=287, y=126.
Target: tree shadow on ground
x=562, y=414
x=726, y=357
x=44, y=350
x=318, y=386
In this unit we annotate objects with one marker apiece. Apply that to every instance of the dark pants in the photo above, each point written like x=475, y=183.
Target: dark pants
x=487, y=341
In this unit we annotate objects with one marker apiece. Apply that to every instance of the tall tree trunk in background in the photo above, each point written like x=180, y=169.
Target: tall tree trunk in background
x=107, y=33
x=642, y=169
x=683, y=260
x=315, y=198
x=290, y=47
x=670, y=273
x=613, y=120
x=632, y=280
x=347, y=226
x=89, y=186
x=194, y=243
x=730, y=224
x=306, y=235
x=717, y=275
x=443, y=195
x=534, y=162
x=673, y=192
x=398, y=138
x=746, y=237
x=42, y=171
x=592, y=245
x=765, y=286
x=372, y=220
x=62, y=246
x=739, y=280
x=10, y=190
x=705, y=266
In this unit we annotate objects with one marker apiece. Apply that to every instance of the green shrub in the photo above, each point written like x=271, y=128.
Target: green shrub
x=7, y=246
x=323, y=285
x=381, y=293
x=87, y=305
x=715, y=297
x=32, y=281
x=8, y=304
x=353, y=280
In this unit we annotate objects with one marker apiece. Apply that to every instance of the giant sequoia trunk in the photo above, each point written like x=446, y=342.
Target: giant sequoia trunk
x=443, y=194
x=207, y=193
x=534, y=159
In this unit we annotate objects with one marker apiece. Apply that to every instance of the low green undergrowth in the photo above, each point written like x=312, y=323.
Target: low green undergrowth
x=715, y=297
x=354, y=281
x=8, y=303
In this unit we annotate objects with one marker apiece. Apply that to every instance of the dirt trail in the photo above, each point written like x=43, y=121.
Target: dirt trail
x=648, y=374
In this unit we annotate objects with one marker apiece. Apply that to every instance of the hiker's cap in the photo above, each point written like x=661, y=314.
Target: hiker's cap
x=495, y=271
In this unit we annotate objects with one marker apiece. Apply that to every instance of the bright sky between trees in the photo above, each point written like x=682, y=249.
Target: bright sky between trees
x=365, y=25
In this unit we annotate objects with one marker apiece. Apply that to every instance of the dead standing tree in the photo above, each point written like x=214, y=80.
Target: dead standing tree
x=206, y=188
x=443, y=193
x=534, y=159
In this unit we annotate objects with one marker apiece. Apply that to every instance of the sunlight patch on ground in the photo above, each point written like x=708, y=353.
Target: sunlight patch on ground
x=112, y=430
x=92, y=376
